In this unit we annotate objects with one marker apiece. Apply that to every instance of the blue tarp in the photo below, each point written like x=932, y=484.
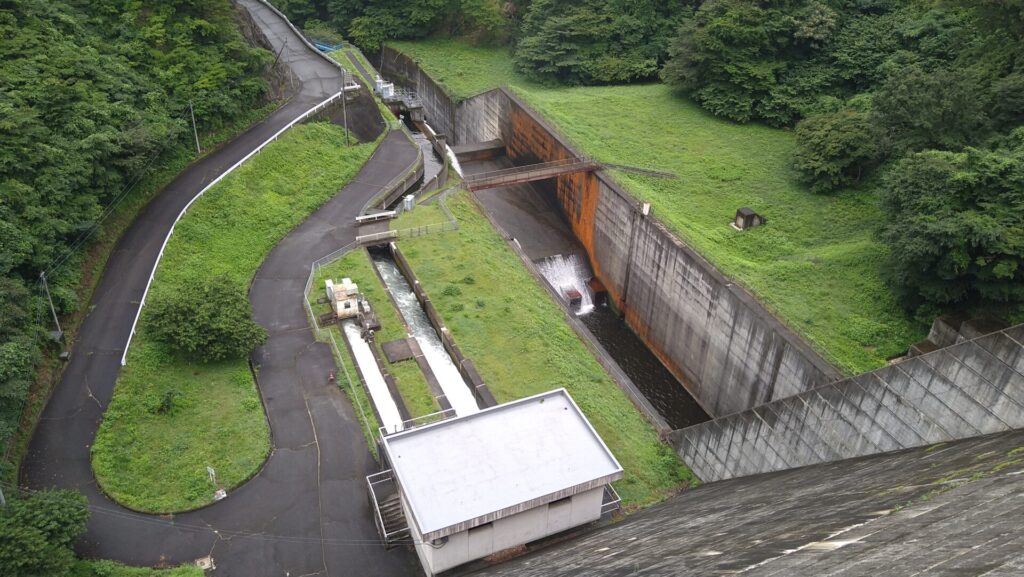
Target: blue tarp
x=327, y=47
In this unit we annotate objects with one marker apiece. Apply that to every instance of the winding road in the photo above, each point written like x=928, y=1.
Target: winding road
x=306, y=512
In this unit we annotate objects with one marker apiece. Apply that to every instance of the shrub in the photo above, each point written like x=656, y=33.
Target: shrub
x=956, y=227
x=836, y=149
x=209, y=321
x=37, y=530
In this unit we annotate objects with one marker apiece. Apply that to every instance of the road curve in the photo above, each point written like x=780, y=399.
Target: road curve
x=306, y=512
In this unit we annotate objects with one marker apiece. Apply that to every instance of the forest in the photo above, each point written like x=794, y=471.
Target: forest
x=919, y=101
x=94, y=96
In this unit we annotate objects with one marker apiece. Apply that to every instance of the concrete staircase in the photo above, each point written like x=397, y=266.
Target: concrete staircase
x=387, y=504
x=392, y=515
x=968, y=389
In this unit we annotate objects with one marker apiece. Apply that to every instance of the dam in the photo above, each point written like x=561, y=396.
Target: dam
x=710, y=335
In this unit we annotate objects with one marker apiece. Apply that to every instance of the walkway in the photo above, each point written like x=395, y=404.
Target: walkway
x=306, y=512
x=529, y=173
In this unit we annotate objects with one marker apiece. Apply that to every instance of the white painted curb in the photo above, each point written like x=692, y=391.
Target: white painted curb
x=152, y=273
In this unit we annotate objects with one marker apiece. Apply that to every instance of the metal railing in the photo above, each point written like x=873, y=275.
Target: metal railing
x=418, y=422
x=327, y=335
x=529, y=172
x=610, y=501
x=372, y=483
x=403, y=180
x=375, y=216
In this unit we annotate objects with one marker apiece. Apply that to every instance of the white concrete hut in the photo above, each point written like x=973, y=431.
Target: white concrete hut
x=511, y=474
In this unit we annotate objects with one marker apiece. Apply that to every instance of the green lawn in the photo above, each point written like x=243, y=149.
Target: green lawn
x=506, y=323
x=83, y=568
x=424, y=215
x=817, y=262
x=412, y=385
x=157, y=462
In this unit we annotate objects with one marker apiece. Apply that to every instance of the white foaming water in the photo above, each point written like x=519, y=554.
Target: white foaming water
x=447, y=374
x=386, y=408
x=564, y=271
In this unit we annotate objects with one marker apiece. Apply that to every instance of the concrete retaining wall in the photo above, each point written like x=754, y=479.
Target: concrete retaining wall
x=477, y=119
x=711, y=334
x=481, y=392
x=965, y=390
x=714, y=337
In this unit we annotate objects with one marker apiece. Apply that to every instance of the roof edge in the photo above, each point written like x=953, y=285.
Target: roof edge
x=520, y=507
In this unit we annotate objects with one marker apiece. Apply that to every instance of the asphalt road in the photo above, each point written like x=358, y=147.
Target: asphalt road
x=306, y=512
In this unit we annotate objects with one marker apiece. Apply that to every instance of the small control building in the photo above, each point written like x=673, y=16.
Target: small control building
x=343, y=298
x=475, y=485
x=747, y=218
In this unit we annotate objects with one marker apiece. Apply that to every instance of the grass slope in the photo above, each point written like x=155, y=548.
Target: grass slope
x=157, y=463
x=817, y=262
x=84, y=568
x=507, y=324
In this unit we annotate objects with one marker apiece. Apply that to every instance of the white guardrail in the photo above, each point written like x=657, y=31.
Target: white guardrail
x=214, y=182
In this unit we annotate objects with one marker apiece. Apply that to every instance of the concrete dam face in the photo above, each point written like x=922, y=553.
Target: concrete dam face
x=715, y=338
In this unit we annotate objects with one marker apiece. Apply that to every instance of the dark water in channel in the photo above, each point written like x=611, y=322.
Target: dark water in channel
x=666, y=394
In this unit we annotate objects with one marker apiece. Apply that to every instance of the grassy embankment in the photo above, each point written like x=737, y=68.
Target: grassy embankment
x=85, y=568
x=89, y=265
x=412, y=385
x=817, y=264
x=157, y=462
x=515, y=334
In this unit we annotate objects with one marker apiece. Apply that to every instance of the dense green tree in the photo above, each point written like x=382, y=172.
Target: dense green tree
x=731, y=54
x=942, y=109
x=955, y=226
x=595, y=41
x=835, y=149
x=209, y=320
x=37, y=531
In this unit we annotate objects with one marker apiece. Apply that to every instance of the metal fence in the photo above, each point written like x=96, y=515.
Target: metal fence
x=326, y=335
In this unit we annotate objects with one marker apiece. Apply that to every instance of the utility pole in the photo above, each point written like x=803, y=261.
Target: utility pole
x=344, y=105
x=53, y=310
x=195, y=132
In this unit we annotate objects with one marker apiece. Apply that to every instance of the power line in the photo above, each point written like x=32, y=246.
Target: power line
x=220, y=533
x=109, y=209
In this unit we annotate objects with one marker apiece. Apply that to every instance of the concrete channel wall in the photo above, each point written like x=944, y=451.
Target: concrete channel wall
x=965, y=390
x=719, y=341
x=481, y=392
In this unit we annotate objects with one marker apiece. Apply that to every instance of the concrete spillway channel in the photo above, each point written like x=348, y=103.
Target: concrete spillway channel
x=455, y=388
x=390, y=417
x=530, y=214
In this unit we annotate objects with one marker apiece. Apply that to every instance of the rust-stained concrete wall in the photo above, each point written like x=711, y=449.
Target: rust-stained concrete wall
x=719, y=341
x=727, y=349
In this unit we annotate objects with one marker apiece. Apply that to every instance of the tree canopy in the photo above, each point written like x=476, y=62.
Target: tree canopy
x=208, y=320
x=37, y=531
x=954, y=222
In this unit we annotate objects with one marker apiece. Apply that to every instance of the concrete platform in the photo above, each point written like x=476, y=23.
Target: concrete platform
x=398, y=351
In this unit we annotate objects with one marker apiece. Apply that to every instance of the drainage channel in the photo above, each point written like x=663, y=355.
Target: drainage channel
x=390, y=418
x=569, y=275
x=531, y=214
x=448, y=377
